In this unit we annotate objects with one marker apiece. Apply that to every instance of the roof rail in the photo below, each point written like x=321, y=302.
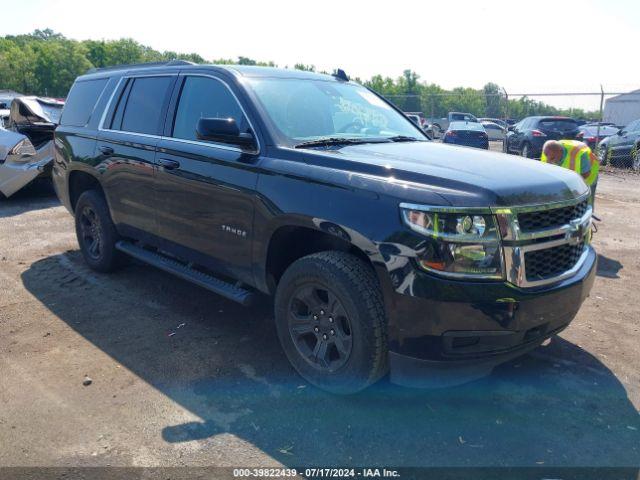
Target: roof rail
x=170, y=63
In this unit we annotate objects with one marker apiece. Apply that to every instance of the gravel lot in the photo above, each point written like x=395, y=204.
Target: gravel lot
x=220, y=392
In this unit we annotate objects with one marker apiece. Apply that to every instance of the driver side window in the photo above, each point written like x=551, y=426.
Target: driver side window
x=205, y=97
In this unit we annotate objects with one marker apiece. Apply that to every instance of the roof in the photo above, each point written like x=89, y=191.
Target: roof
x=625, y=97
x=237, y=70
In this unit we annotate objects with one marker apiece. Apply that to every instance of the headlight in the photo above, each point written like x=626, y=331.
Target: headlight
x=22, y=151
x=457, y=243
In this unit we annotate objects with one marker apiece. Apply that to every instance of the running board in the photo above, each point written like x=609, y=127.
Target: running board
x=226, y=289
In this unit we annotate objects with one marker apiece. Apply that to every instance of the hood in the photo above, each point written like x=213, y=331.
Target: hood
x=461, y=176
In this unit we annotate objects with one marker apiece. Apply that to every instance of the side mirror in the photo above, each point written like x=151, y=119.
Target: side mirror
x=511, y=128
x=223, y=130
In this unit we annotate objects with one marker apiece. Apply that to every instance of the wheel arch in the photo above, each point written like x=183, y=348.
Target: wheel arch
x=292, y=239
x=80, y=181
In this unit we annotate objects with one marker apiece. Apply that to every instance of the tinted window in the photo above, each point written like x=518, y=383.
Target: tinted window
x=144, y=105
x=81, y=101
x=558, y=124
x=204, y=97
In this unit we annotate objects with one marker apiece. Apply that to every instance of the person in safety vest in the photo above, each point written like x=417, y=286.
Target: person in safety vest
x=575, y=156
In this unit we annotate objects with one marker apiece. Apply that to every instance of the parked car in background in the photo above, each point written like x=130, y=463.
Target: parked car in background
x=468, y=134
x=441, y=125
x=592, y=133
x=418, y=119
x=4, y=116
x=527, y=137
x=621, y=149
x=26, y=142
x=498, y=121
x=494, y=130
x=414, y=118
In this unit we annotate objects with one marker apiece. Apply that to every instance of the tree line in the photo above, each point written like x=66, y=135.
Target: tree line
x=46, y=63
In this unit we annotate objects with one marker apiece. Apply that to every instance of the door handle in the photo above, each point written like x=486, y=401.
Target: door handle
x=169, y=164
x=105, y=150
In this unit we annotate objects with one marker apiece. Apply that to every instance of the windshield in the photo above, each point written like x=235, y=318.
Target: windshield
x=306, y=110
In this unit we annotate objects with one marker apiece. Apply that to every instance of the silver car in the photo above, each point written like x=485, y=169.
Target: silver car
x=26, y=142
x=494, y=131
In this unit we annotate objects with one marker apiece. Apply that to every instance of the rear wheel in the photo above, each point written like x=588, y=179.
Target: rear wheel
x=331, y=323
x=526, y=150
x=96, y=232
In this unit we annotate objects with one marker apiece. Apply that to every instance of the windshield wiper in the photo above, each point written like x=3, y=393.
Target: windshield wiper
x=404, y=138
x=329, y=141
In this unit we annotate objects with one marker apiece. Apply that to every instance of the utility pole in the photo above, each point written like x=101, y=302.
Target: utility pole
x=601, y=117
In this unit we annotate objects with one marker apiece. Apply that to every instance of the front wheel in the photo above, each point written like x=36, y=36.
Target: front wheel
x=331, y=322
x=526, y=151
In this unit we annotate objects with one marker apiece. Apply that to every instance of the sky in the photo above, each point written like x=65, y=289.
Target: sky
x=526, y=47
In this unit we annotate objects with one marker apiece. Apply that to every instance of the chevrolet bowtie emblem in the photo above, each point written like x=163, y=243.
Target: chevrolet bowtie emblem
x=575, y=233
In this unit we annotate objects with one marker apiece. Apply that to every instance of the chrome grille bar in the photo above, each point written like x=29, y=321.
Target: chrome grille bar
x=517, y=243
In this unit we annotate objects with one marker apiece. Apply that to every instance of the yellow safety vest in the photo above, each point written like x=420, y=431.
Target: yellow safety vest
x=575, y=153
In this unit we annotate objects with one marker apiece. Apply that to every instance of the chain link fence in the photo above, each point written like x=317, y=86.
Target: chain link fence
x=609, y=122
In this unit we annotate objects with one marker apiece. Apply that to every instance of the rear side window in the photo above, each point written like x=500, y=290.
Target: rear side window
x=81, y=101
x=204, y=97
x=142, y=110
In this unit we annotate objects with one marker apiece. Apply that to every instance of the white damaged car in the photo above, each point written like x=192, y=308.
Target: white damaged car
x=26, y=142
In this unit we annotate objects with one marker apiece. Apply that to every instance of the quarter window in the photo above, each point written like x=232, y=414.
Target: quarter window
x=205, y=97
x=81, y=102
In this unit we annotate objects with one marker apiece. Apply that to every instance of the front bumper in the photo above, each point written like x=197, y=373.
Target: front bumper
x=443, y=332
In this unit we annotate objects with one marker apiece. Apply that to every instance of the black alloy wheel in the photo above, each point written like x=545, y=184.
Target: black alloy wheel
x=91, y=232
x=319, y=327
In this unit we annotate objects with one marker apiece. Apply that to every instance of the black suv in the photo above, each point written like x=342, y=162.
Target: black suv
x=384, y=251
x=527, y=137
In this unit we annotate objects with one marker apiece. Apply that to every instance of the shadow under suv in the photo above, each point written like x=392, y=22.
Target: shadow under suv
x=528, y=136
x=383, y=251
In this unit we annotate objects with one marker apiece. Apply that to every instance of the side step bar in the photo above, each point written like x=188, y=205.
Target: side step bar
x=227, y=290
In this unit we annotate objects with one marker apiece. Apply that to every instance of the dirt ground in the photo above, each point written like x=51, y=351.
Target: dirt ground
x=180, y=376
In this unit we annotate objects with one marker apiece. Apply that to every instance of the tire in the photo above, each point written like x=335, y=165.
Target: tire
x=97, y=235
x=333, y=299
x=526, y=151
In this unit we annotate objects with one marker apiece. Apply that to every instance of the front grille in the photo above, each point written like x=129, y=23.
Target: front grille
x=551, y=262
x=556, y=217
